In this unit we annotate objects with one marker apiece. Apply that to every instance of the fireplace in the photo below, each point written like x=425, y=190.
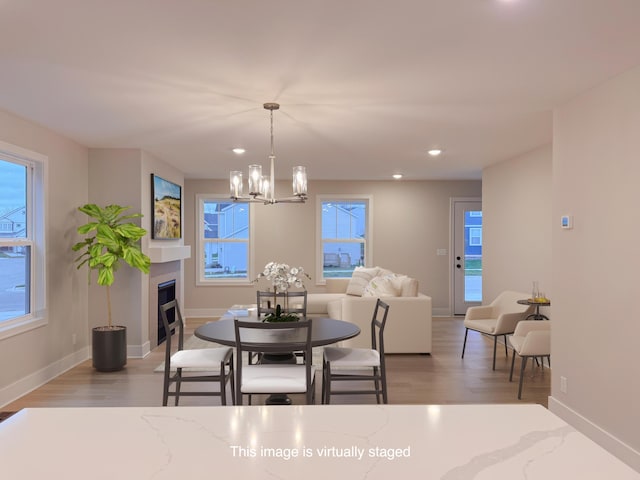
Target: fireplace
x=166, y=293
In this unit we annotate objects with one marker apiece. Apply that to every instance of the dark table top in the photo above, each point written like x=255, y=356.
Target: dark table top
x=325, y=331
x=528, y=301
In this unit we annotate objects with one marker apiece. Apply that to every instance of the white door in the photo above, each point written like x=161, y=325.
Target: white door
x=466, y=254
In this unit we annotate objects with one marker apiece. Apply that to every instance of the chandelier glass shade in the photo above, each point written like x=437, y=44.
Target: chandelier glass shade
x=261, y=188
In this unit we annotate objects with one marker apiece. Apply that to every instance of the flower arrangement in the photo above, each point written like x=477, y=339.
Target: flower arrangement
x=282, y=276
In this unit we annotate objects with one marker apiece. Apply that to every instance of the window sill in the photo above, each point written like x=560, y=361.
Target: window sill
x=11, y=328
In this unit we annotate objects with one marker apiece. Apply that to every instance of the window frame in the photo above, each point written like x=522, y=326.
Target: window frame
x=368, y=240
x=36, y=208
x=201, y=198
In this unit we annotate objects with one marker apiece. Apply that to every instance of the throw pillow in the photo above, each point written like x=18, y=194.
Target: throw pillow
x=386, y=286
x=360, y=279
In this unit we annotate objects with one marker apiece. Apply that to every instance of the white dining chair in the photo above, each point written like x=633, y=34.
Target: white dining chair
x=189, y=364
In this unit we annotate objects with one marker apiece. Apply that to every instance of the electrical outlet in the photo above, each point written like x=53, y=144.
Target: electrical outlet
x=563, y=384
x=74, y=339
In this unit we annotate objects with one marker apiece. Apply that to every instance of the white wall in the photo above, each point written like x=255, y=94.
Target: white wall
x=596, y=266
x=516, y=205
x=411, y=221
x=45, y=352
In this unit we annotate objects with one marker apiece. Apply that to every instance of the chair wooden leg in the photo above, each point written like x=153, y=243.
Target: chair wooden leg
x=178, y=385
x=464, y=344
x=165, y=392
x=522, y=367
x=376, y=383
x=232, y=381
x=383, y=372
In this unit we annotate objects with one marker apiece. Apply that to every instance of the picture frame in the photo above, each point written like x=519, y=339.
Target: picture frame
x=166, y=209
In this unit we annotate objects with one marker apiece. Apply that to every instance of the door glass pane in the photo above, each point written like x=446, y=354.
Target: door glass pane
x=473, y=256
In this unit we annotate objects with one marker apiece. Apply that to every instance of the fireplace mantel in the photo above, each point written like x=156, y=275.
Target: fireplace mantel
x=169, y=253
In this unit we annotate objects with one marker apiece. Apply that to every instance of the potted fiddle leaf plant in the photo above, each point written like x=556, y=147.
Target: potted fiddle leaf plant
x=110, y=238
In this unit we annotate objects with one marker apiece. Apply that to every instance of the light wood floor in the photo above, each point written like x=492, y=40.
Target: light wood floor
x=440, y=378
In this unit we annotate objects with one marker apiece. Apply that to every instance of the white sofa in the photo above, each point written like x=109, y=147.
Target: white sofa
x=408, y=328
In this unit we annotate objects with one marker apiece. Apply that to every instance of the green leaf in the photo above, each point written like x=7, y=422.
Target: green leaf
x=86, y=228
x=105, y=276
x=130, y=230
x=107, y=237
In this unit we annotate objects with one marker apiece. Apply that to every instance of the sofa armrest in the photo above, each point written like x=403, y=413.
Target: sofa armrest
x=408, y=328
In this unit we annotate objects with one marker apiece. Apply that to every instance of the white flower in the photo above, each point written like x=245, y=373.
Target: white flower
x=282, y=276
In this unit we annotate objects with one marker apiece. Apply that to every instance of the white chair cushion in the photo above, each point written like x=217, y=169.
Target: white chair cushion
x=209, y=358
x=275, y=378
x=352, y=357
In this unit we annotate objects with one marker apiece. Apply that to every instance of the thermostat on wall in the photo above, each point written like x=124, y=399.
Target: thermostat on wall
x=566, y=221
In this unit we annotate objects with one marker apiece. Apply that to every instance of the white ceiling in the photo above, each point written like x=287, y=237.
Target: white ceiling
x=366, y=86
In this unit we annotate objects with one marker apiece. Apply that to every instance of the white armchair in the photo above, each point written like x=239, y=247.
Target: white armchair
x=531, y=338
x=499, y=318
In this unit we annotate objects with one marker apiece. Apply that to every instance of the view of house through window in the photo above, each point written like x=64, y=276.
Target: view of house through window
x=343, y=236
x=15, y=241
x=224, y=239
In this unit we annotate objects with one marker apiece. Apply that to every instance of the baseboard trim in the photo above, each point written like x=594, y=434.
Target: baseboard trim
x=612, y=444
x=139, y=351
x=27, y=384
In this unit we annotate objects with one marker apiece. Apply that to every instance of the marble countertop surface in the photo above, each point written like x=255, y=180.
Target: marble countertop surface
x=450, y=442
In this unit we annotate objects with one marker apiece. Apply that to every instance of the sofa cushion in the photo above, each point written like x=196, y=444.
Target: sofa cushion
x=409, y=287
x=386, y=286
x=334, y=309
x=360, y=279
x=317, y=302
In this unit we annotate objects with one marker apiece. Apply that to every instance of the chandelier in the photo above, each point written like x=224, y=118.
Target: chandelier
x=262, y=188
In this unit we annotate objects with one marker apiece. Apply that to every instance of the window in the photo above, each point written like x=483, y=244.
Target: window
x=223, y=240
x=344, y=230
x=475, y=237
x=22, y=289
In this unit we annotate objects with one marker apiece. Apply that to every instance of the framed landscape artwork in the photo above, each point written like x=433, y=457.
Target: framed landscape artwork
x=167, y=209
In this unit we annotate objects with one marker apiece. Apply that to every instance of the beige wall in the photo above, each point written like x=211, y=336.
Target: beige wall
x=411, y=221
x=596, y=265
x=516, y=204
x=123, y=176
x=47, y=351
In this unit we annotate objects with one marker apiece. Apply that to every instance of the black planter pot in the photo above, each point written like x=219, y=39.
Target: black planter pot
x=109, y=348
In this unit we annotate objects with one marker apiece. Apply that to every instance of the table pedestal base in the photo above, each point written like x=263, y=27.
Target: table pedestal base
x=278, y=398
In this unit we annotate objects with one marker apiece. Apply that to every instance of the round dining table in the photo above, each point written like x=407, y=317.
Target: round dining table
x=324, y=331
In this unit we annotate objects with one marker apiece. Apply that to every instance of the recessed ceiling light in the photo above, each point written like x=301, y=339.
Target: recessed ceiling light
x=434, y=152
x=238, y=150
x=397, y=176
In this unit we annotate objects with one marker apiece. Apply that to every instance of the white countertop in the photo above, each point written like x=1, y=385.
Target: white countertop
x=335, y=442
